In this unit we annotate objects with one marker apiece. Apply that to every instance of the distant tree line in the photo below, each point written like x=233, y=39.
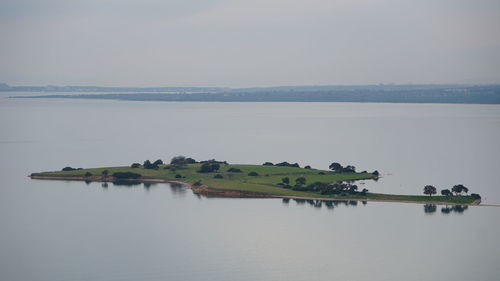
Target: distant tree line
x=71, y=169
x=338, y=168
x=456, y=189
x=282, y=164
x=338, y=188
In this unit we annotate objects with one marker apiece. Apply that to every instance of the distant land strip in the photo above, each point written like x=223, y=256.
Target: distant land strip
x=462, y=94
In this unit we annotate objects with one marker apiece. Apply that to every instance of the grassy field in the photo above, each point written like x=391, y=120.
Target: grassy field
x=266, y=182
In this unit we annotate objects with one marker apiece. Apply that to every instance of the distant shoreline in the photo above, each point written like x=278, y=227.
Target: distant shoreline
x=452, y=94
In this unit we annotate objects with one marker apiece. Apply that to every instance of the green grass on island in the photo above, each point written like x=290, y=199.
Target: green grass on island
x=267, y=181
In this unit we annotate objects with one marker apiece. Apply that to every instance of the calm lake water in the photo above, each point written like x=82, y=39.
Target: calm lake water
x=58, y=230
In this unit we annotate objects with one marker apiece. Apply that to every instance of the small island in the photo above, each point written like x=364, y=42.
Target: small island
x=214, y=178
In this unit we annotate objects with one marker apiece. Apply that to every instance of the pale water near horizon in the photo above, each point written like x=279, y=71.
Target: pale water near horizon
x=58, y=230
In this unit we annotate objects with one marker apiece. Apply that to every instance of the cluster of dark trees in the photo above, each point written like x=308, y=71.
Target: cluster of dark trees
x=126, y=175
x=71, y=169
x=282, y=164
x=457, y=189
x=209, y=167
x=215, y=161
x=155, y=165
x=338, y=168
x=148, y=164
x=182, y=160
x=253, y=174
x=338, y=188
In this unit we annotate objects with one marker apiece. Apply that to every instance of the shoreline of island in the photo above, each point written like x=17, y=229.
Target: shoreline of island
x=229, y=193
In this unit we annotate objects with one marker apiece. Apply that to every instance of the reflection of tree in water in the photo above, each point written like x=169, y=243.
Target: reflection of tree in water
x=456, y=208
x=329, y=204
x=178, y=188
x=431, y=208
x=104, y=185
x=126, y=183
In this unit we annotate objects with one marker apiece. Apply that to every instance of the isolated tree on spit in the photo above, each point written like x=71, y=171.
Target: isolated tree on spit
x=459, y=188
x=430, y=190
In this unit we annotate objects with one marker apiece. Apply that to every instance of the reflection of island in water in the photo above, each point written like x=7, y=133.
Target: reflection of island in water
x=329, y=204
x=431, y=209
x=176, y=188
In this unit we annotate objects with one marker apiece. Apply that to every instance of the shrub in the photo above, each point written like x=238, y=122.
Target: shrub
x=88, y=174
x=234, y=170
x=253, y=174
x=105, y=173
x=135, y=165
x=321, y=173
x=214, y=161
x=475, y=196
x=126, y=175
x=197, y=183
x=182, y=160
x=149, y=165
x=300, y=181
x=158, y=162
x=68, y=169
x=375, y=173
x=446, y=192
x=286, y=164
x=268, y=164
x=307, y=167
x=209, y=167
x=218, y=176
x=178, y=176
x=285, y=180
x=190, y=160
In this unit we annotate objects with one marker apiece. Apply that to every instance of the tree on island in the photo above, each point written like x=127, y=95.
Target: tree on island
x=105, y=173
x=182, y=160
x=459, y=188
x=285, y=180
x=135, y=165
x=446, y=192
x=349, y=169
x=336, y=167
x=158, y=162
x=429, y=190
x=209, y=167
x=148, y=165
x=300, y=181
x=268, y=164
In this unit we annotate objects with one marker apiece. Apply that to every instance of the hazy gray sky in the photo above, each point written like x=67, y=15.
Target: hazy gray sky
x=240, y=43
